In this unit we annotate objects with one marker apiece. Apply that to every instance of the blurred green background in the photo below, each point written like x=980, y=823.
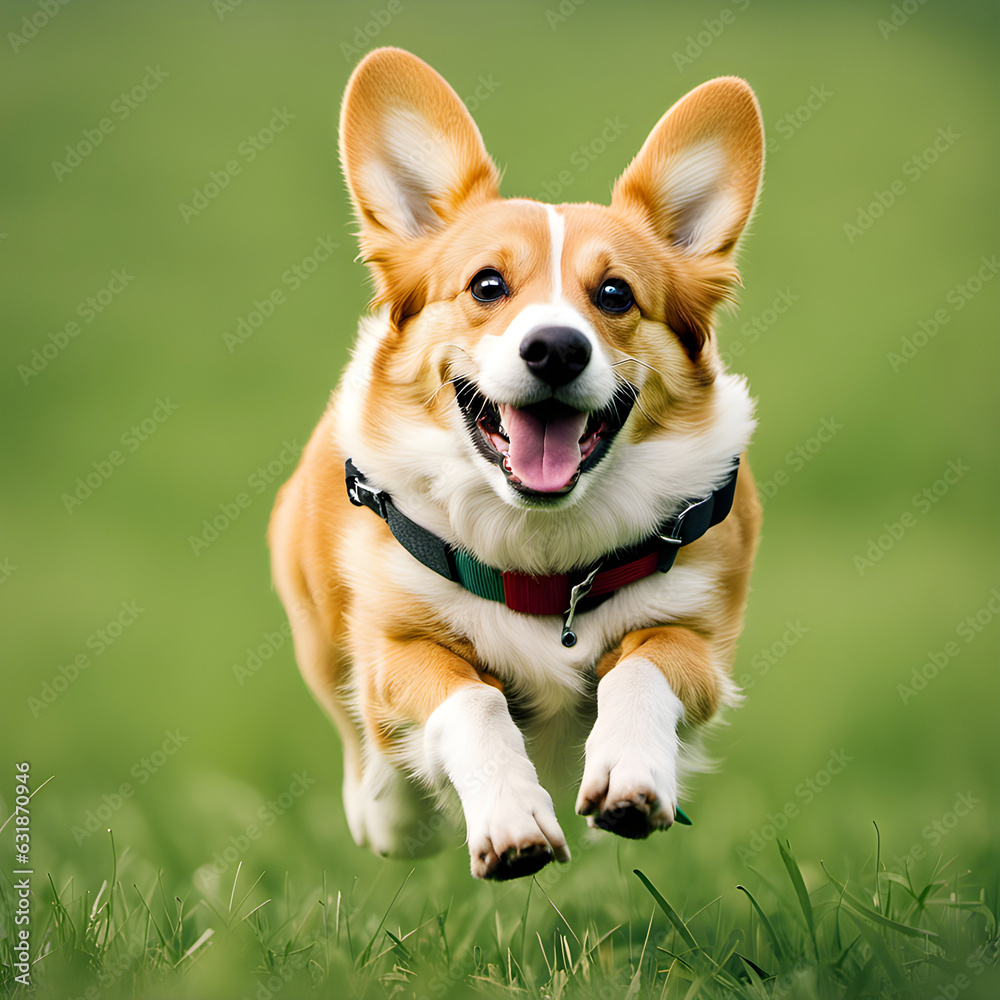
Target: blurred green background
x=867, y=329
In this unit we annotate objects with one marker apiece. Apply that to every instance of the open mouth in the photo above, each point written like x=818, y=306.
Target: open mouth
x=545, y=447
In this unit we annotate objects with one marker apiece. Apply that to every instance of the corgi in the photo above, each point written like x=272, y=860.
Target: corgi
x=522, y=533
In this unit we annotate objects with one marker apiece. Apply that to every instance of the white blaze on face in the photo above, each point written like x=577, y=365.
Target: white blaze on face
x=503, y=375
x=557, y=229
x=544, y=448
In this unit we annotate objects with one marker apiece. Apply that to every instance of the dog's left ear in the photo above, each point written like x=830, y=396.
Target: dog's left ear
x=698, y=174
x=695, y=181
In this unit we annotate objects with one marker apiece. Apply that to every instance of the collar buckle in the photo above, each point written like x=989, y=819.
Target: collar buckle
x=363, y=494
x=690, y=524
x=676, y=532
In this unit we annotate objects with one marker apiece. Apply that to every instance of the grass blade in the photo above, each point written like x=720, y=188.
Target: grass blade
x=855, y=907
x=881, y=951
x=206, y=935
x=670, y=912
x=776, y=945
x=362, y=960
x=805, y=903
x=761, y=974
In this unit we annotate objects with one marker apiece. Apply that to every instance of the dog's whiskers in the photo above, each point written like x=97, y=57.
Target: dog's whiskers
x=637, y=361
x=450, y=381
x=450, y=366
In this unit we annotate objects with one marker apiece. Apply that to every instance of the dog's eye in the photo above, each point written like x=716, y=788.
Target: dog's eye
x=488, y=286
x=614, y=296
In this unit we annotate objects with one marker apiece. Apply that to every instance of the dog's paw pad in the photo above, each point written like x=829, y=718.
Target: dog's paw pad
x=518, y=845
x=520, y=862
x=631, y=820
x=625, y=804
x=514, y=862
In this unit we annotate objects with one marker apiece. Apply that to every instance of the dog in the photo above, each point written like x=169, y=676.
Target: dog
x=561, y=521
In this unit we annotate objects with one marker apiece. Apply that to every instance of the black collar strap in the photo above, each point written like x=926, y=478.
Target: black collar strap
x=564, y=594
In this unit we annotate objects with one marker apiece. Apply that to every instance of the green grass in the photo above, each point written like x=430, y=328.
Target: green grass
x=825, y=648
x=874, y=934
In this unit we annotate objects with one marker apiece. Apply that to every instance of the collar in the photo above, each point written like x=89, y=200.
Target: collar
x=565, y=594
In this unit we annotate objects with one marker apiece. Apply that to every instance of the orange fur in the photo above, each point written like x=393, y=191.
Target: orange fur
x=380, y=658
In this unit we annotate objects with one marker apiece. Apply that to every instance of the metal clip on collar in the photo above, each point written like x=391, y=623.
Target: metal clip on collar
x=361, y=494
x=576, y=594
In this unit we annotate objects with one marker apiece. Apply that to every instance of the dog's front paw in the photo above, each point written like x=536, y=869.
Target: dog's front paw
x=629, y=782
x=626, y=798
x=517, y=836
x=512, y=827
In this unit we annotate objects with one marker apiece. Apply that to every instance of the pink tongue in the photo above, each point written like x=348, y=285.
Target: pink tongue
x=544, y=454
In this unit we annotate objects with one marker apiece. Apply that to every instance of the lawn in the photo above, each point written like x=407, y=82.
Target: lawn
x=180, y=293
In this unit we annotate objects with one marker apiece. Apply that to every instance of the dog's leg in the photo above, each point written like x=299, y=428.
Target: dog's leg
x=396, y=817
x=663, y=677
x=386, y=810
x=470, y=739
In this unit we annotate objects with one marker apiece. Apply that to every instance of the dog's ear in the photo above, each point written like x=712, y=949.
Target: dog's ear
x=698, y=174
x=695, y=181
x=411, y=153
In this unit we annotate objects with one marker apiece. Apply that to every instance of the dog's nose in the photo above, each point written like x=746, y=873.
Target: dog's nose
x=556, y=354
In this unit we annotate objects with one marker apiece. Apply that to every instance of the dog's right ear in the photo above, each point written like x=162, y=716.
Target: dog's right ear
x=411, y=153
